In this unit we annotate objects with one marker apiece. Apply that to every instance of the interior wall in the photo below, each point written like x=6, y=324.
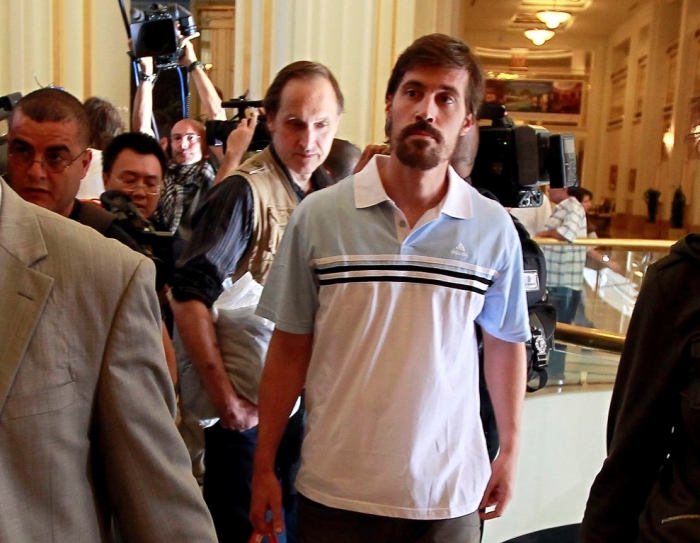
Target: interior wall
x=359, y=41
x=76, y=44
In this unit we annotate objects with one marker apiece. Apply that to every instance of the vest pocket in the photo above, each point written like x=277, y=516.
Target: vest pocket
x=277, y=219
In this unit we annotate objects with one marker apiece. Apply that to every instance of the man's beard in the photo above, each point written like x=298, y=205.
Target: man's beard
x=419, y=154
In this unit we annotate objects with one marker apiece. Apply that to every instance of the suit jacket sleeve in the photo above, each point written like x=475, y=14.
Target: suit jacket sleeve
x=144, y=461
x=642, y=414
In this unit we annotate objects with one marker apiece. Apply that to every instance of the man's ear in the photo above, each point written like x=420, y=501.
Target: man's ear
x=105, y=178
x=85, y=162
x=271, y=123
x=387, y=105
x=468, y=123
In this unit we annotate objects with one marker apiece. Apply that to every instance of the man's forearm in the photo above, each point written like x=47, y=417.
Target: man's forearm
x=143, y=108
x=505, y=370
x=196, y=328
x=282, y=382
x=551, y=234
x=210, y=101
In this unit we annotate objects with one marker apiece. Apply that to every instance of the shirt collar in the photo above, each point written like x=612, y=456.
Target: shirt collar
x=369, y=190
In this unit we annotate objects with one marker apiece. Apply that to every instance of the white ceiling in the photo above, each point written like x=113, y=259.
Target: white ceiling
x=592, y=18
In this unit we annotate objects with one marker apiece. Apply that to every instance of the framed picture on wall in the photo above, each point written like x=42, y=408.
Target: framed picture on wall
x=553, y=100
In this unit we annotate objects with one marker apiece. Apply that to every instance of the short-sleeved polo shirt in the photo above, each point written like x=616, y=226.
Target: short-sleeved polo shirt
x=392, y=386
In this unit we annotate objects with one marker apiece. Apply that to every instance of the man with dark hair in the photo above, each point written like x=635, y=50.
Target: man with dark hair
x=237, y=230
x=88, y=444
x=134, y=163
x=48, y=155
x=375, y=292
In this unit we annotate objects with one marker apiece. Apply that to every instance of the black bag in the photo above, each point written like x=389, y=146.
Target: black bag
x=543, y=317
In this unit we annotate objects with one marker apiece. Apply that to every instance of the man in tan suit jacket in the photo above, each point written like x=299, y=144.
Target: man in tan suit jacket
x=87, y=438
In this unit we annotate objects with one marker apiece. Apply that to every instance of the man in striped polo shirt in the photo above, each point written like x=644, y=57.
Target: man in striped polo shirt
x=375, y=292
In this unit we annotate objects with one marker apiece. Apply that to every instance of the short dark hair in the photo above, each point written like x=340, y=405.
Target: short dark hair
x=140, y=143
x=441, y=51
x=302, y=69
x=105, y=122
x=51, y=105
x=580, y=193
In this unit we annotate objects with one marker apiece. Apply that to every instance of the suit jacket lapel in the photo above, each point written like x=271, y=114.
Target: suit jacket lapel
x=23, y=291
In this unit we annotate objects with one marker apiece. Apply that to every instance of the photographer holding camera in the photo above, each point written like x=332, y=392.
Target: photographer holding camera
x=190, y=174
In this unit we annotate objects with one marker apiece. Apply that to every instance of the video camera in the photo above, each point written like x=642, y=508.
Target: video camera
x=6, y=105
x=158, y=246
x=154, y=33
x=512, y=161
x=218, y=131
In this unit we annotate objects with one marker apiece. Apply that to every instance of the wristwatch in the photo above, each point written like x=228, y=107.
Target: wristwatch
x=196, y=64
x=147, y=78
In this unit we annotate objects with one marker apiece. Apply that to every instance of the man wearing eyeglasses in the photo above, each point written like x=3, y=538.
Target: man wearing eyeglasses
x=48, y=155
x=134, y=163
x=88, y=443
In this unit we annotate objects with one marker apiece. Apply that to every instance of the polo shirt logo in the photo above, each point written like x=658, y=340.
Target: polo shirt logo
x=459, y=250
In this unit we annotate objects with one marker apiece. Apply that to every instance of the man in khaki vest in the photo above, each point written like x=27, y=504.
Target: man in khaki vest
x=237, y=229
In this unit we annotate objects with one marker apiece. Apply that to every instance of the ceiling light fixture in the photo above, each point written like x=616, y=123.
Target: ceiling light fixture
x=539, y=35
x=552, y=18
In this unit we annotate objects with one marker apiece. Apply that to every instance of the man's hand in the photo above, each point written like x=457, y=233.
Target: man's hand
x=267, y=496
x=188, y=55
x=146, y=65
x=239, y=139
x=368, y=153
x=236, y=413
x=500, y=488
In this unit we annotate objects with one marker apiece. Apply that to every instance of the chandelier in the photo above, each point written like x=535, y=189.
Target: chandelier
x=553, y=18
x=539, y=35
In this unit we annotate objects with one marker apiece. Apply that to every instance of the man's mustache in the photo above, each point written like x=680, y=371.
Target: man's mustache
x=421, y=126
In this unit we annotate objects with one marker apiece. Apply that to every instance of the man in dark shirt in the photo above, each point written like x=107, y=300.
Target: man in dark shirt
x=48, y=155
x=236, y=230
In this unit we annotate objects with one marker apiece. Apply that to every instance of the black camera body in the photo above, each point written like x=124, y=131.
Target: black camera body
x=218, y=131
x=154, y=33
x=512, y=161
x=158, y=246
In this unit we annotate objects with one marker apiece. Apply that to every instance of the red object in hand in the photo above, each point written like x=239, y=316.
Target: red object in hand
x=259, y=538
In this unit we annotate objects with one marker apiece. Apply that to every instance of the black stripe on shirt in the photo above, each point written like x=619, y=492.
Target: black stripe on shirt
x=400, y=279
x=403, y=267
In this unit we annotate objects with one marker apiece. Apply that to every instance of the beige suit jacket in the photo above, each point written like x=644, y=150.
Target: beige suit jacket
x=86, y=405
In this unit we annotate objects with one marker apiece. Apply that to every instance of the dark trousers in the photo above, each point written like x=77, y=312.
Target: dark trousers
x=321, y=524
x=228, y=461
x=565, y=301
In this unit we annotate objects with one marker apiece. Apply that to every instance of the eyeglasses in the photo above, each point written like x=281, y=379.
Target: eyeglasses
x=53, y=161
x=132, y=185
x=189, y=138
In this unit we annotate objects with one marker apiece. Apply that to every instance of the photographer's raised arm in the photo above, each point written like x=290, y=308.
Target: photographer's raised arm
x=211, y=103
x=236, y=146
x=142, y=112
